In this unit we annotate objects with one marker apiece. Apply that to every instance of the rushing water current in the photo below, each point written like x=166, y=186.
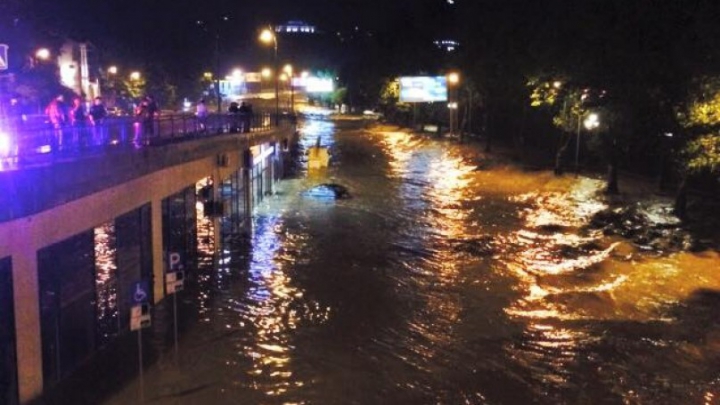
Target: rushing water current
x=448, y=277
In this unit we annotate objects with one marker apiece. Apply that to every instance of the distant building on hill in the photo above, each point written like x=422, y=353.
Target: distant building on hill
x=295, y=27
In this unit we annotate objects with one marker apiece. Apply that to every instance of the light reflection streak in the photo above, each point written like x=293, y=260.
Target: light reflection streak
x=206, y=247
x=434, y=188
x=106, y=280
x=568, y=275
x=273, y=307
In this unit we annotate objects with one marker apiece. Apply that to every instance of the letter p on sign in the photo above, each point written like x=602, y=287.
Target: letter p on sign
x=174, y=261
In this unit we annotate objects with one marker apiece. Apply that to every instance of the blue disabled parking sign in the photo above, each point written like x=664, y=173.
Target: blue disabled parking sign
x=140, y=292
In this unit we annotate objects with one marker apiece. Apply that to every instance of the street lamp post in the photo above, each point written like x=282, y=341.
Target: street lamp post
x=590, y=122
x=453, y=79
x=268, y=35
x=289, y=70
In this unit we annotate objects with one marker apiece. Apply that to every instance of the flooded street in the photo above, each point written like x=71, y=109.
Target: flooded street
x=448, y=277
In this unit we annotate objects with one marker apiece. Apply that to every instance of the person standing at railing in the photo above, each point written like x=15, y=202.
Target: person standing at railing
x=245, y=116
x=56, y=112
x=201, y=112
x=79, y=118
x=234, y=110
x=146, y=111
x=98, y=113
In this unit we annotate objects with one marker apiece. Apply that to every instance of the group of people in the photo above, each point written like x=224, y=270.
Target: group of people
x=76, y=115
x=146, y=111
x=241, y=116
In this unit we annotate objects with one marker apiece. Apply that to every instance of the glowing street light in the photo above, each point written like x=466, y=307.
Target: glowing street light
x=42, y=54
x=453, y=78
x=135, y=76
x=590, y=122
x=266, y=73
x=237, y=76
x=112, y=70
x=269, y=37
x=288, y=69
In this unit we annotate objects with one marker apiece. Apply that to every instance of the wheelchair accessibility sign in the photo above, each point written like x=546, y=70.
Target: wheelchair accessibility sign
x=140, y=292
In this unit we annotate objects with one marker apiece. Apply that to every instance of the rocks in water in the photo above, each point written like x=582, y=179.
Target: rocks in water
x=632, y=224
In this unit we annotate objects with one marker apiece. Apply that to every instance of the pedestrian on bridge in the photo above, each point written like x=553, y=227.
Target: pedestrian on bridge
x=201, y=112
x=79, y=118
x=146, y=111
x=98, y=113
x=57, y=114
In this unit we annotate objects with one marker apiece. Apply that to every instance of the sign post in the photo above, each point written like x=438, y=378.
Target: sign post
x=139, y=319
x=174, y=282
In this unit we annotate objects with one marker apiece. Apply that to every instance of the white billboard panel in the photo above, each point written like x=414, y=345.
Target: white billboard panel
x=423, y=89
x=319, y=85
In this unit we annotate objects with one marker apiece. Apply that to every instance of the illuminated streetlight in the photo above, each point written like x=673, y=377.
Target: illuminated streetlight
x=266, y=72
x=288, y=69
x=135, y=76
x=268, y=36
x=112, y=70
x=453, y=79
x=43, y=54
x=237, y=75
x=590, y=122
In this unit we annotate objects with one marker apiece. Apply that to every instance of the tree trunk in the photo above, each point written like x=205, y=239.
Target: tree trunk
x=680, y=208
x=612, y=176
x=612, y=180
x=559, y=166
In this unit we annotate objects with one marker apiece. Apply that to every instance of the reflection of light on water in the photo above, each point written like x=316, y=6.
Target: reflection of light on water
x=106, y=279
x=569, y=207
x=312, y=130
x=399, y=146
x=206, y=253
x=547, y=352
x=274, y=308
x=566, y=278
x=433, y=185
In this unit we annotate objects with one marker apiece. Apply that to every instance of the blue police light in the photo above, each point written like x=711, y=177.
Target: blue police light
x=5, y=144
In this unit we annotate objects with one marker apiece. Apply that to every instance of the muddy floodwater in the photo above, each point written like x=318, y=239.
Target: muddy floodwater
x=445, y=277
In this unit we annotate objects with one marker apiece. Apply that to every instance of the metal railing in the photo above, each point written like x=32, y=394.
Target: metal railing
x=28, y=140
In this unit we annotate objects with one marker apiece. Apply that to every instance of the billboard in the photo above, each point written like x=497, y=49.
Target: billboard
x=314, y=84
x=423, y=89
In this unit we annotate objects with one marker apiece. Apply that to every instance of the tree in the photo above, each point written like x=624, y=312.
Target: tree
x=700, y=118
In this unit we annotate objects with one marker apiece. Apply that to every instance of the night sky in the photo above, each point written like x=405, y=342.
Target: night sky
x=612, y=41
